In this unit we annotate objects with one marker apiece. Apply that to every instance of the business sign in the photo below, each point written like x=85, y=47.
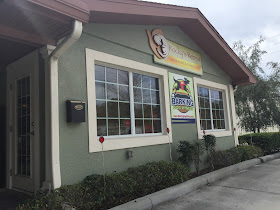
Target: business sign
x=182, y=99
x=172, y=54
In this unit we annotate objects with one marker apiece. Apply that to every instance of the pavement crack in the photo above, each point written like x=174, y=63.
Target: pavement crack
x=208, y=183
x=241, y=171
x=239, y=188
x=262, y=161
x=151, y=202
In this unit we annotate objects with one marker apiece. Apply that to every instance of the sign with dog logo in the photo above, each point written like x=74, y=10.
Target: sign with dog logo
x=172, y=54
x=182, y=98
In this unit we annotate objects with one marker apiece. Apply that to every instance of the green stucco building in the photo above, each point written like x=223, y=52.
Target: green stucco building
x=113, y=69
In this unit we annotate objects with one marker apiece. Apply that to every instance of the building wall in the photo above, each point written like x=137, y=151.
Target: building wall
x=129, y=42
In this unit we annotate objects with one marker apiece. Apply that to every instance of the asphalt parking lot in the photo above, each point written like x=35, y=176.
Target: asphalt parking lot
x=255, y=188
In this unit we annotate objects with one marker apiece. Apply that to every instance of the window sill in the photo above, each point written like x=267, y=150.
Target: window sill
x=110, y=143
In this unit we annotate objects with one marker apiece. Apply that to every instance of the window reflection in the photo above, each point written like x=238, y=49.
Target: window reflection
x=211, y=114
x=113, y=102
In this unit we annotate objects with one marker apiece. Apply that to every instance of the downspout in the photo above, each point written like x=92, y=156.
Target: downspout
x=232, y=89
x=54, y=102
x=235, y=87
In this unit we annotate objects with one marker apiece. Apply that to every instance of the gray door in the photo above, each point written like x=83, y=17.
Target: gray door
x=24, y=132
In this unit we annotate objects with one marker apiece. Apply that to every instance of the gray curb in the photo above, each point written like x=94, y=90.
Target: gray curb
x=151, y=200
x=270, y=157
x=233, y=169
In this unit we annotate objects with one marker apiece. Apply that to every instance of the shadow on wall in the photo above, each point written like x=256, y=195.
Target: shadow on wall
x=2, y=145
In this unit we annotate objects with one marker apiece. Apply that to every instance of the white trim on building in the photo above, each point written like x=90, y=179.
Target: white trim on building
x=207, y=84
x=127, y=141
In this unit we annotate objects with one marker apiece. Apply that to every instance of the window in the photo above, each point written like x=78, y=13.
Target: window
x=211, y=109
x=212, y=103
x=146, y=104
x=114, y=96
x=128, y=103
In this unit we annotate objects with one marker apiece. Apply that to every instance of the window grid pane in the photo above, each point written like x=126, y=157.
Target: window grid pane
x=112, y=110
x=113, y=102
x=211, y=109
x=146, y=95
x=23, y=127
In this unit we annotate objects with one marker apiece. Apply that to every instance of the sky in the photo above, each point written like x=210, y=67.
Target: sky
x=244, y=20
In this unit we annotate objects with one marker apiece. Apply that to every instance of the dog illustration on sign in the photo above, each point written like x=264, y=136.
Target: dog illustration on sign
x=181, y=87
x=158, y=44
x=181, y=97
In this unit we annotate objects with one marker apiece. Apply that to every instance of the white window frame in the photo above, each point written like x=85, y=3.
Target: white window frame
x=215, y=86
x=128, y=141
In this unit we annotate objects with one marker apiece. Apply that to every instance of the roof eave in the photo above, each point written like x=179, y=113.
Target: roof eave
x=75, y=9
x=140, y=12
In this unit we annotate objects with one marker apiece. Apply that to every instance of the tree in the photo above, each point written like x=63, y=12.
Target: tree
x=274, y=80
x=257, y=105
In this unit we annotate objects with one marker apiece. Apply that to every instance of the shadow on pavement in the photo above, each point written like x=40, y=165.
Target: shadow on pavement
x=9, y=199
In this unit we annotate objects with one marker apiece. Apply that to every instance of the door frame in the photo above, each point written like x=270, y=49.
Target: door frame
x=30, y=62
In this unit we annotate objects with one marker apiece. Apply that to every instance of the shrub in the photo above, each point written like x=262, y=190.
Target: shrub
x=226, y=158
x=190, y=153
x=120, y=187
x=210, y=143
x=268, y=142
x=249, y=152
x=186, y=153
x=235, y=155
x=198, y=150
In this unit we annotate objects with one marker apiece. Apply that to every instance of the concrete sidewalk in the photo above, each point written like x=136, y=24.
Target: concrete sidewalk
x=255, y=188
